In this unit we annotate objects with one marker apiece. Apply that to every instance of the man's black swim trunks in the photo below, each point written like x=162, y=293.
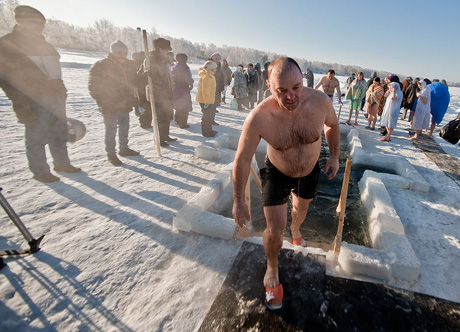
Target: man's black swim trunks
x=276, y=187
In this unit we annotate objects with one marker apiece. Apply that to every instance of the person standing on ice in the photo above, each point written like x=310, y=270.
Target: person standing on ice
x=227, y=73
x=355, y=93
x=309, y=77
x=163, y=91
x=30, y=75
x=206, y=95
x=390, y=114
x=422, y=113
x=291, y=121
x=111, y=84
x=183, y=84
x=329, y=83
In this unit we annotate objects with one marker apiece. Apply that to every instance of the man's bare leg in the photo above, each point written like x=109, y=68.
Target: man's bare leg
x=276, y=217
x=298, y=214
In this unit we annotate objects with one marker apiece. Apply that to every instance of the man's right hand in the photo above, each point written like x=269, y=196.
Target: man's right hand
x=24, y=113
x=240, y=213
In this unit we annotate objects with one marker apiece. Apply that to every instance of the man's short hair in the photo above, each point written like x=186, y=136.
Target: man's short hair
x=283, y=61
x=332, y=71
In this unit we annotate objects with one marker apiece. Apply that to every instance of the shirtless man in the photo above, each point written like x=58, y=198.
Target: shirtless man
x=329, y=83
x=291, y=121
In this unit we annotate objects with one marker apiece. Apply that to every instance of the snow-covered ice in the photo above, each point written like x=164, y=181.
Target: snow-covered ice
x=111, y=260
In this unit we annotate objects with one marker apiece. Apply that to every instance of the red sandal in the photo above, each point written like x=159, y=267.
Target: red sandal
x=274, y=298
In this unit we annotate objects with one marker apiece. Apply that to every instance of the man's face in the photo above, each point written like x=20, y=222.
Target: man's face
x=120, y=56
x=250, y=67
x=330, y=75
x=286, y=87
x=31, y=26
x=164, y=54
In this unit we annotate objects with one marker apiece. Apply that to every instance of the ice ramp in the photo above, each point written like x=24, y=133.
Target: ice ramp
x=317, y=302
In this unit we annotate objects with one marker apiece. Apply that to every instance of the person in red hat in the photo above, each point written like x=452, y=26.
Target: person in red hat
x=30, y=75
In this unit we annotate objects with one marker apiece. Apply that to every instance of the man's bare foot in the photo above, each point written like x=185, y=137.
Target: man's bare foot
x=413, y=138
x=271, y=278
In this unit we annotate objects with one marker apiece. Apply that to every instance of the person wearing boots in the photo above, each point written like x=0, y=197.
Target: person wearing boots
x=227, y=73
x=163, y=91
x=30, y=75
x=183, y=84
x=111, y=84
x=206, y=97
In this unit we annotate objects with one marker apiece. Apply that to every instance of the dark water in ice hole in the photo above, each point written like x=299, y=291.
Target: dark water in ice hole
x=322, y=220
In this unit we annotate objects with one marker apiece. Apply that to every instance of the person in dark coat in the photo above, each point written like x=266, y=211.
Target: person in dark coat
x=163, y=91
x=253, y=85
x=30, y=75
x=265, y=79
x=183, y=83
x=260, y=90
x=309, y=77
x=227, y=73
x=111, y=84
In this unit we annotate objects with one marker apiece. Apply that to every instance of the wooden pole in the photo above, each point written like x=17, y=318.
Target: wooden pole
x=256, y=178
x=342, y=202
x=156, y=133
x=340, y=109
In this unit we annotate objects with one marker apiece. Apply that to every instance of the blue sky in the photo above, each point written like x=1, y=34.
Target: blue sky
x=417, y=38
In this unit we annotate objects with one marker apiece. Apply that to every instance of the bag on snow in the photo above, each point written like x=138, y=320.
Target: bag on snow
x=451, y=131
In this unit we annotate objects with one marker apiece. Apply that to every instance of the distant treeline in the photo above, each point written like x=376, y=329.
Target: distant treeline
x=102, y=33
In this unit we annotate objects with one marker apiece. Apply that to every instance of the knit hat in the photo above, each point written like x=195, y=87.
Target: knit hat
x=210, y=65
x=161, y=43
x=28, y=13
x=215, y=54
x=118, y=46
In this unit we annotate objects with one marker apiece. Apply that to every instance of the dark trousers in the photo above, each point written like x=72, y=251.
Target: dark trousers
x=181, y=118
x=207, y=119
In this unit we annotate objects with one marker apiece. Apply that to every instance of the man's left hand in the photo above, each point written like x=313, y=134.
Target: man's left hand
x=333, y=165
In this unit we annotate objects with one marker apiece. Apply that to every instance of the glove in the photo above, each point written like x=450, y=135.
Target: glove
x=24, y=113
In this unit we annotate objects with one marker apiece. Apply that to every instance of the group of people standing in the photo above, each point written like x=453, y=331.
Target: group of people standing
x=386, y=97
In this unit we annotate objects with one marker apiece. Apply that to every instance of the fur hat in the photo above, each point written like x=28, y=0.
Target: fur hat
x=28, y=13
x=210, y=65
x=161, y=43
x=118, y=46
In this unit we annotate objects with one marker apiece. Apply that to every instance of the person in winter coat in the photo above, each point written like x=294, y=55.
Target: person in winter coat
x=260, y=91
x=253, y=85
x=422, y=113
x=111, y=84
x=309, y=77
x=219, y=85
x=240, y=87
x=30, y=75
x=227, y=73
x=183, y=84
x=368, y=84
x=206, y=96
x=265, y=79
x=350, y=80
x=163, y=91
x=355, y=94
x=373, y=98
x=391, y=109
